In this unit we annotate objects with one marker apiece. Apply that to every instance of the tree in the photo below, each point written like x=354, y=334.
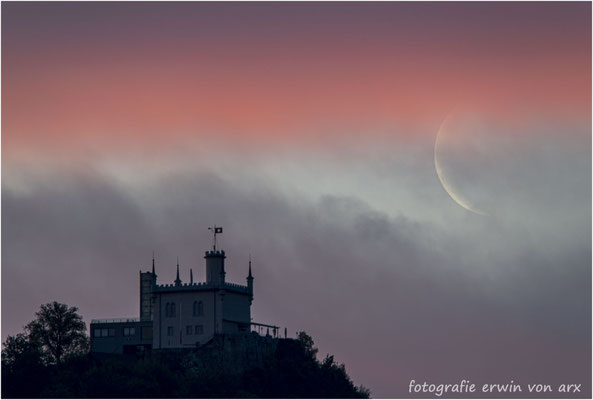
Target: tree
x=59, y=331
x=307, y=343
x=21, y=360
x=19, y=351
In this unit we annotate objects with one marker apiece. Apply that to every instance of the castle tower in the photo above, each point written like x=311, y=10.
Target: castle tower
x=147, y=283
x=215, y=267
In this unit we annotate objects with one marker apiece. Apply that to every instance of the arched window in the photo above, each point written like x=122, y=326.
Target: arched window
x=195, y=309
x=200, y=309
x=167, y=310
x=172, y=309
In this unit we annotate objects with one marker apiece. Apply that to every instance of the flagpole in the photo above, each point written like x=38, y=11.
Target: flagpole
x=215, y=230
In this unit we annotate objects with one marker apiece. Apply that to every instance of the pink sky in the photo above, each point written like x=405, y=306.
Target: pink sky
x=118, y=76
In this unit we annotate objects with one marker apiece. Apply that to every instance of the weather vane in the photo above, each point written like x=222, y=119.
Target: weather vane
x=215, y=230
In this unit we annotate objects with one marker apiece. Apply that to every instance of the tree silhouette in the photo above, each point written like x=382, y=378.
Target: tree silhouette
x=18, y=352
x=307, y=343
x=59, y=331
x=51, y=360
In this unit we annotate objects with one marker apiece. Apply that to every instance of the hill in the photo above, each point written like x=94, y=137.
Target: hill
x=227, y=367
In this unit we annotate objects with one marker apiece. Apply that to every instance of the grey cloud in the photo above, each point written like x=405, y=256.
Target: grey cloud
x=392, y=297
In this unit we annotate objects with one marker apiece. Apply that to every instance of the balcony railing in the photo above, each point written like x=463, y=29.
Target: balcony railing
x=114, y=320
x=265, y=329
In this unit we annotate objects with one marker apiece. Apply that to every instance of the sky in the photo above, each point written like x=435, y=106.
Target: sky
x=308, y=131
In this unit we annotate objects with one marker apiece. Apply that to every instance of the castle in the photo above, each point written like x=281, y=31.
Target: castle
x=182, y=315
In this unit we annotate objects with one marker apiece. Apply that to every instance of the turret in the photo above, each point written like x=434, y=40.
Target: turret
x=147, y=284
x=177, y=280
x=215, y=267
x=250, y=279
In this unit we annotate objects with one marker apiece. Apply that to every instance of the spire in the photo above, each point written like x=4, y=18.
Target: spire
x=250, y=280
x=177, y=281
x=250, y=276
x=191, y=276
x=153, y=263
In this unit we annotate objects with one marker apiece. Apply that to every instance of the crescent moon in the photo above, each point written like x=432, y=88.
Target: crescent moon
x=459, y=199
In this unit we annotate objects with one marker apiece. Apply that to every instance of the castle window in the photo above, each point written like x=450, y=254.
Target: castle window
x=188, y=330
x=198, y=309
x=105, y=332
x=170, y=310
x=170, y=331
x=129, y=331
x=199, y=329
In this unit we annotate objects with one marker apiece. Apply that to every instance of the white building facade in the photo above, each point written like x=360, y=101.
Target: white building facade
x=190, y=314
x=182, y=315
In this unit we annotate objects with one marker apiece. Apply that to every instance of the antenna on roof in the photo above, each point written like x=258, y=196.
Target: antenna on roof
x=215, y=230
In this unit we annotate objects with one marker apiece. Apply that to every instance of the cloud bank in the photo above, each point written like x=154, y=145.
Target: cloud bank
x=393, y=295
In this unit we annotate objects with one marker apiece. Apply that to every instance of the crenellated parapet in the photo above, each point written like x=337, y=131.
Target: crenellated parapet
x=201, y=286
x=215, y=253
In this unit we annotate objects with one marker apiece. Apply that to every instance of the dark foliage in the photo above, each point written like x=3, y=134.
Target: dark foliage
x=58, y=331
x=23, y=372
x=291, y=371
